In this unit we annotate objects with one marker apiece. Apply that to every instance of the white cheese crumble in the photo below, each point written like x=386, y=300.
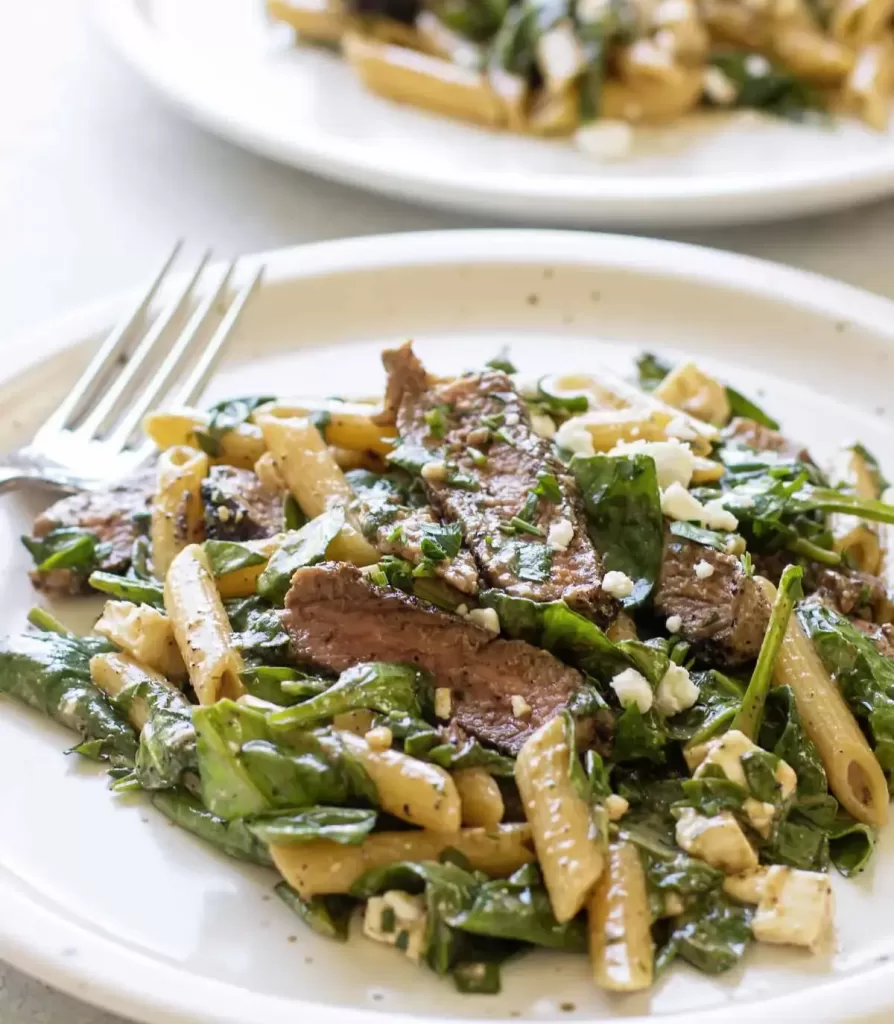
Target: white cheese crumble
x=617, y=584
x=605, y=140
x=443, y=702
x=677, y=503
x=674, y=462
x=719, y=87
x=703, y=569
x=676, y=692
x=462, y=610
x=674, y=623
x=560, y=535
x=757, y=65
x=434, y=472
x=718, y=840
x=512, y=419
x=590, y=11
x=679, y=427
x=520, y=707
x=487, y=618
x=543, y=425
x=616, y=806
x=559, y=54
x=397, y=918
x=719, y=518
x=632, y=687
x=575, y=438
x=795, y=908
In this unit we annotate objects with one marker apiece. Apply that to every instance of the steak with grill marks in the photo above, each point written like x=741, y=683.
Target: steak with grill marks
x=484, y=463
x=725, y=615
x=239, y=507
x=337, y=618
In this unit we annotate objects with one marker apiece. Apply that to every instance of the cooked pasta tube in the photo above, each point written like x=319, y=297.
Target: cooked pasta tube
x=741, y=24
x=689, y=388
x=177, y=517
x=554, y=112
x=620, y=924
x=886, y=569
x=241, y=446
x=315, y=480
x=409, y=76
x=359, y=721
x=312, y=19
x=114, y=673
x=850, y=535
x=567, y=841
x=201, y=627
x=811, y=55
x=867, y=91
x=345, y=424
x=144, y=633
x=482, y=801
x=856, y=23
x=412, y=790
x=320, y=867
x=653, y=101
x=855, y=776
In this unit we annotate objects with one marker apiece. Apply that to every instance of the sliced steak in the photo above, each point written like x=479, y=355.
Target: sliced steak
x=480, y=463
x=239, y=507
x=882, y=636
x=113, y=515
x=759, y=438
x=337, y=618
x=846, y=590
x=724, y=615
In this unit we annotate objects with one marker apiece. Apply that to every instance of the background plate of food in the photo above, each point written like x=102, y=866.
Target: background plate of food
x=620, y=114
x=100, y=895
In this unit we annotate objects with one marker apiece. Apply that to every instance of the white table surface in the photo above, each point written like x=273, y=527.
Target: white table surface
x=97, y=177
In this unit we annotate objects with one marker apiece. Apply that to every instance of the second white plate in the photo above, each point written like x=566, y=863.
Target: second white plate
x=222, y=64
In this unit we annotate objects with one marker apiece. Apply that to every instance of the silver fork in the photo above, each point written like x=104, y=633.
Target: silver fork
x=89, y=440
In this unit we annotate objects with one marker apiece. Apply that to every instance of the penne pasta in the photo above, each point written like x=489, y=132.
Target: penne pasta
x=853, y=537
x=855, y=776
x=241, y=446
x=695, y=392
x=415, y=791
x=146, y=634
x=482, y=801
x=114, y=673
x=177, y=516
x=620, y=924
x=243, y=582
x=348, y=425
x=566, y=838
x=201, y=628
x=315, y=480
x=321, y=867
x=313, y=19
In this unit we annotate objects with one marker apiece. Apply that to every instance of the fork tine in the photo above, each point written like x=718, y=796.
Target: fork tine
x=108, y=352
x=201, y=373
x=122, y=433
x=103, y=410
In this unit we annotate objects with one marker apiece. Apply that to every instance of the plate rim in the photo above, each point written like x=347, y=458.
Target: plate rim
x=106, y=972
x=610, y=201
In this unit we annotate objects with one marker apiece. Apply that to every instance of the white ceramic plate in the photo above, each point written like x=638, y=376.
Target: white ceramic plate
x=222, y=64
x=101, y=897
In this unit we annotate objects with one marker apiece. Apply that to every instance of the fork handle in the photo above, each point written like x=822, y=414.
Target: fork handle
x=14, y=478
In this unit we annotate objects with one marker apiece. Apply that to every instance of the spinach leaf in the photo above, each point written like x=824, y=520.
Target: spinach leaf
x=283, y=686
x=50, y=672
x=441, y=541
x=710, y=795
x=701, y=535
x=639, y=736
x=783, y=733
x=719, y=699
x=501, y=360
x=329, y=916
x=428, y=743
x=741, y=406
x=651, y=371
x=623, y=507
x=851, y=845
x=668, y=869
x=258, y=632
x=862, y=673
x=562, y=404
x=230, y=837
x=66, y=547
x=226, y=416
x=711, y=934
x=379, y=685
x=230, y=556
x=149, y=592
x=879, y=481
x=529, y=559
x=306, y=547
x=410, y=457
x=763, y=85
x=344, y=825
x=798, y=843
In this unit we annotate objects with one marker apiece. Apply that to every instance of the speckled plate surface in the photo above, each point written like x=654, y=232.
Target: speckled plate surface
x=101, y=897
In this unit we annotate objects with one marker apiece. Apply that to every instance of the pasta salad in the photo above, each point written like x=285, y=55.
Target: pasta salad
x=589, y=68
x=581, y=663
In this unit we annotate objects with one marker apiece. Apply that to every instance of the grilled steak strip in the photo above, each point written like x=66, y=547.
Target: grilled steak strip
x=239, y=507
x=451, y=426
x=724, y=615
x=759, y=438
x=337, y=618
x=113, y=515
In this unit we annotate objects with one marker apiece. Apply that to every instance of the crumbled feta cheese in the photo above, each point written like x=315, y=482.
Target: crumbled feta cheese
x=703, y=569
x=678, y=503
x=434, y=472
x=397, y=919
x=719, y=518
x=674, y=462
x=674, y=623
x=632, y=687
x=560, y=535
x=543, y=425
x=379, y=738
x=575, y=438
x=719, y=88
x=512, y=419
x=718, y=840
x=679, y=427
x=795, y=908
x=617, y=584
x=676, y=692
x=735, y=545
x=590, y=11
x=487, y=618
x=757, y=65
x=760, y=814
x=605, y=140
x=443, y=702
x=462, y=610
x=748, y=887
x=520, y=707
x=616, y=806
x=559, y=54
x=224, y=514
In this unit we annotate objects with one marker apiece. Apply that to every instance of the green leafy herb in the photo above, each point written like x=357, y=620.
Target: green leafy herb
x=502, y=362
x=306, y=547
x=762, y=85
x=329, y=916
x=126, y=589
x=230, y=837
x=700, y=535
x=639, y=736
x=548, y=487
x=719, y=699
x=344, y=825
x=226, y=416
x=66, y=547
x=710, y=795
x=651, y=371
x=436, y=419
x=258, y=632
x=742, y=406
x=279, y=685
x=230, y=556
x=711, y=934
x=562, y=404
x=623, y=508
